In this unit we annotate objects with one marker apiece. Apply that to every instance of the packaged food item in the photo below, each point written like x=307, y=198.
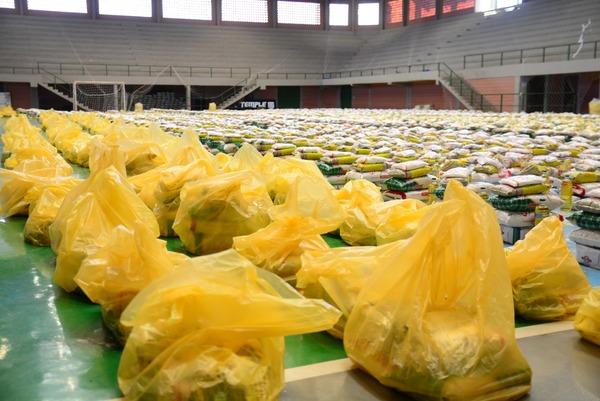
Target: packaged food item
x=310, y=210
x=213, y=329
x=337, y=275
x=114, y=274
x=216, y=209
x=548, y=283
x=587, y=318
x=440, y=325
x=86, y=218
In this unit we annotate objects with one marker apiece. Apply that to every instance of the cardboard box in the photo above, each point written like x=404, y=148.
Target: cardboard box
x=510, y=235
x=586, y=255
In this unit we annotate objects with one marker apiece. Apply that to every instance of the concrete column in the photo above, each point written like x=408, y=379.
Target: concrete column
x=34, y=96
x=188, y=97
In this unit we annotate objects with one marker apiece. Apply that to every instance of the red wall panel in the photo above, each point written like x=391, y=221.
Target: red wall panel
x=436, y=96
x=330, y=97
x=388, y=97
x=494, y=87
x=360, y=97
x=20, y=95
x=269, y=93
x=310, y=97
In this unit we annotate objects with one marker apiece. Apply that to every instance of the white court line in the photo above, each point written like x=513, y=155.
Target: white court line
x=318, y=369
x=546, y=328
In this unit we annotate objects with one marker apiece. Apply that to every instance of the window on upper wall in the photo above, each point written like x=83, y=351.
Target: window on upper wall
x=418, y=9
x=298, y=12
x=368, y=14
x=7, y=4
x=62, y=6
x=394, y=12
x=457, y=5
x=129, y=8
x=255, y=11
x=199, y=10
x=492, y=5
x=339, y=14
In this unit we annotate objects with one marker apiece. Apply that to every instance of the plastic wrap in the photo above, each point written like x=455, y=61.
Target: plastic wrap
x=587, y=318
x=212, y=330
x=216, y=209
x=87, y=217
x=310, y=209
x=547, y=281
x=436, y=321
x=129, y=261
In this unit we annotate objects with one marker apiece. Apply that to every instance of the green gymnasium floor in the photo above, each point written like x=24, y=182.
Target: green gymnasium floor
x=54, y=347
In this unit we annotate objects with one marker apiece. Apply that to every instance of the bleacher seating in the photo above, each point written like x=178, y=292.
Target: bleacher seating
x=29, y=40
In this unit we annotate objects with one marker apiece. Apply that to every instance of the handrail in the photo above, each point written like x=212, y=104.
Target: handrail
x=464, y=89
x=143, y=70
x=55, y=79
x=232, y=91
x=586, y=50
x=367, y=72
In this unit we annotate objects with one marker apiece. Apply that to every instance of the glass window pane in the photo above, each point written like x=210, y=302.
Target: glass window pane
x=65, y=6
x=507, y=3
x=368, y=14
x=457, y=5
x=131, y=8
x=421, y=9
x=245, y=11
x=7, y=3
x=298, y=12
x=484, y=5
x=339, y=14
x=191, y=9
x=394, y=12
x=490, y=5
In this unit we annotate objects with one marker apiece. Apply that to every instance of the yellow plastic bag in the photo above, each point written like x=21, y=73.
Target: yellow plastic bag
x=594, y=106
x=247, y=158
x=216, y=209
x=168, y=189
x=437, y=321
x=547, y=281
x=51, y=167
x=587, y=318
x=212, y=330
x=87, y=217
x=356, y=198
x=44, y=203
x=7, y=111
x=337, y=275
x=188, y=149
x=400, y=221
x=141, y=155
x=280, y=175
x=15, y=184
x=310, y=209
x=113, y=275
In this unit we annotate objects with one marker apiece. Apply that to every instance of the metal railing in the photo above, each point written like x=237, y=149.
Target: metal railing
x=230, y=92
x=130, y=70
x=585, y=50
x=366, y=72
x=531, y=102
x=463, y=88
x=501, y=102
